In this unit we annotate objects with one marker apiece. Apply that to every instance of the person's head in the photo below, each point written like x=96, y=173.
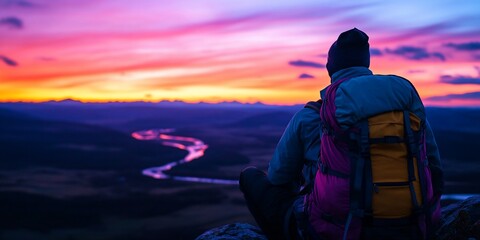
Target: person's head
x=350, y=50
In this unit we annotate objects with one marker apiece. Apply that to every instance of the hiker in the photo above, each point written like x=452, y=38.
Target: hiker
x=361, y=163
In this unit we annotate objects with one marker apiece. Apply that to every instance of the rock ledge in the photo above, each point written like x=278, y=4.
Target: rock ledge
x=459, y=221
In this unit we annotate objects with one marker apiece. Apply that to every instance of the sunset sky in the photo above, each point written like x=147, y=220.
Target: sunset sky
x=216, y=50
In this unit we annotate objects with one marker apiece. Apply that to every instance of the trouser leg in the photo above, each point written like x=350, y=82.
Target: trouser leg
x=268, y=203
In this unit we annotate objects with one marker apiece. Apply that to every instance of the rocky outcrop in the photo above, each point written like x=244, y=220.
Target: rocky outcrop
x=460, y=221
x=233, y=231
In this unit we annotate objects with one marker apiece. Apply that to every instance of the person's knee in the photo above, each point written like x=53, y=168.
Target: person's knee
x=248, y=175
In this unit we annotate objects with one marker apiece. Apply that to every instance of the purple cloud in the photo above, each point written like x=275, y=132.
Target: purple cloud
x=414, y=53
x=301, y=63
x=461, y=96
x=375, y=52
x=413, y=71
x=469, y=46
x=8, y=61
x=11, y=22
x=459, y=79
x=305, y=76
x=16, y=3
x=438, y=55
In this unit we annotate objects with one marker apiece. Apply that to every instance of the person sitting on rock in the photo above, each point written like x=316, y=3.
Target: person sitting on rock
x=314, y=174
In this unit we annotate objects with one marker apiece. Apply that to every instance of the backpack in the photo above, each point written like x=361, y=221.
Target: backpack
x=373, y=179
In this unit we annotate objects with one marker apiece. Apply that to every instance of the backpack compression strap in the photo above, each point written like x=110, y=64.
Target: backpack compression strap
x=315, y=105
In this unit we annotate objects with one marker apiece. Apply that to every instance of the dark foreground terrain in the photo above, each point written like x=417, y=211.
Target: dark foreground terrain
x=72, y=171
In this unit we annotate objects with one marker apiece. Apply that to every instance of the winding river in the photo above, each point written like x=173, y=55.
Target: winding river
x=195, y=148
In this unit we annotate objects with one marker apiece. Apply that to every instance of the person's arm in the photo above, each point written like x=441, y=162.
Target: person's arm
x=433, y=154
x=434, y=162
x=287, y=162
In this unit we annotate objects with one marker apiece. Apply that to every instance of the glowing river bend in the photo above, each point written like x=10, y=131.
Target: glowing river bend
x=196, y=149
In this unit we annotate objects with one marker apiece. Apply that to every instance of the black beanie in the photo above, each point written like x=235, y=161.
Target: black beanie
x=350, y=50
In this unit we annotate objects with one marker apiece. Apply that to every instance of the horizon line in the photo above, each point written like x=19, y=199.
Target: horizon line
x=71, y=100
x=166, y=101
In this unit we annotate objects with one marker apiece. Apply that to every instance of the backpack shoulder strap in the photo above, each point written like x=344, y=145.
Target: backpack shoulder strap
x=315, y=105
